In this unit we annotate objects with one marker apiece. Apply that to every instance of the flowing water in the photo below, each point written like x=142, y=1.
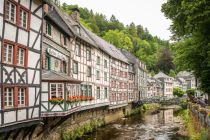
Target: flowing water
x=163, y=125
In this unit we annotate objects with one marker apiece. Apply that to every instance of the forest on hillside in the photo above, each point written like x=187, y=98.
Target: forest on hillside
x=156, y=53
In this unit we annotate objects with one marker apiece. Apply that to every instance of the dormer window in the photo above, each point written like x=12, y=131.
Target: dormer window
x=77, y=29
x=48, y=29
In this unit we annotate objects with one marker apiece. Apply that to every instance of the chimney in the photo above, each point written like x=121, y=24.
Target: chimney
x=46, y=8
x=75, y=14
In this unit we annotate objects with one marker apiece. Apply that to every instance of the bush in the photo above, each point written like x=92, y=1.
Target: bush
x=191, y=92
x=178, y=92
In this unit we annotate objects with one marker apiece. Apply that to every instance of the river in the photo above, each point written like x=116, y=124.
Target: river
x=162, y=125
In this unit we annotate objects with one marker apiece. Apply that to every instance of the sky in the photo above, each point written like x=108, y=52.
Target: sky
x=144, y=12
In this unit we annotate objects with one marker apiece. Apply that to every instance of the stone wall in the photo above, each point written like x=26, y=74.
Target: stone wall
x=61, y=127
x=201, y=114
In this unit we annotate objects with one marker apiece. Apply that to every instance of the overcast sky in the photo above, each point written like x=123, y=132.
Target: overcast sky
x=144, y=12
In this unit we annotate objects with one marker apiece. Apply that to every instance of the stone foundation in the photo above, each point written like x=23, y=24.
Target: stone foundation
x=63, y=127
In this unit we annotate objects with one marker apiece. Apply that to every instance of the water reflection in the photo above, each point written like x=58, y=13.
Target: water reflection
x=159, y=126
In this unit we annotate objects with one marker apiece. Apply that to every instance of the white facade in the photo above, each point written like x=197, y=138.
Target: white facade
x=20, y=63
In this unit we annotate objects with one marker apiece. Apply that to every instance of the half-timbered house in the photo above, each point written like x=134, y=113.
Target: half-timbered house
x=20, y=41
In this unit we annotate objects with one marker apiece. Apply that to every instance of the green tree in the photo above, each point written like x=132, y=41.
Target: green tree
x=178, y=92
x=191, y=25
x=165, y=61
x=119, y=39
x=191, y=92
x=172, y=73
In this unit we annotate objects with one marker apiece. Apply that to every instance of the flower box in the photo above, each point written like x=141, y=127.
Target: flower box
x=56, y=101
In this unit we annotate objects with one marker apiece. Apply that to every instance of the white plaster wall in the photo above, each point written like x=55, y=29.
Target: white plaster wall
x=1, y=23
x=1, y=6
x=9, y=69
x=31, y=91
x=21, y=114
x=56, y=108
x=34, y=4
x=45, y=86
x=23, y=37
x=18, y=77
x=37, y=78
x=33, y=57
x=44, y=97
x=35, y=113
x=9, y=117
x=42, y=108
x=36, y=23
x=25, y=3
x=37, y=45
x=32, y=38
x=10, y=32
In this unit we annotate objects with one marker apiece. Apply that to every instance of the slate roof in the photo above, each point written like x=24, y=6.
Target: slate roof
x=161, y=75
x=184, y=74
x=55, y=76
x=106, y=47
x=54, y=15
x=131, y=58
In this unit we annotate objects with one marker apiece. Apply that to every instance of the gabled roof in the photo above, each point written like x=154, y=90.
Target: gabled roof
x=73, y=25
x=55, y=16
x=161, y=75
x=131, y=58
x=106, y=47
x=56, y=77
x=184, y=74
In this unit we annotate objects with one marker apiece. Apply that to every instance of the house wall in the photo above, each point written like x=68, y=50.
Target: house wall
x=27, y=76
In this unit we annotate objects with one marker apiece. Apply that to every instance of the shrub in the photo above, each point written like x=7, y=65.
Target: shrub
x=191, y=92
x=178, y=92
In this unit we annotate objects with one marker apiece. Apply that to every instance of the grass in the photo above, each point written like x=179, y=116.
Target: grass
x=194, y=129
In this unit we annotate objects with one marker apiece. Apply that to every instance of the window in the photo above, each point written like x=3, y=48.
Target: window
x=56, y=90
x=23, y=18
x=97, y=75
x=8, y=53
x=8, y=97
x=88, y=71
x=77, y=30
x=48, y=29
x=63, y=67
x=105, y=64
x=98, y=60
x=21, y=56
x=75, y=68
x=64, y=40
x=48, y=63
x=98, y=92
x=10, y=11
x=78, y=50
x=105, y=76
x=21, y=96
x=88, y=55
x=105, y=93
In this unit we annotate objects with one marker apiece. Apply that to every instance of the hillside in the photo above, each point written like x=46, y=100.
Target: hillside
x=155, y=52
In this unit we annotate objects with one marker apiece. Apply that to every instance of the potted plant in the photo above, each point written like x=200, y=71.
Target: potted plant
x=56, y=101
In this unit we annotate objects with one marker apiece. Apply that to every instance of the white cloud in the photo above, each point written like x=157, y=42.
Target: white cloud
x=144, y=12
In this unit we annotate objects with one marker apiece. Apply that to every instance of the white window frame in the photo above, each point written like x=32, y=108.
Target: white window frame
x=78, y=49
x=97, y=75
x=8, y=12
x=23, y=18
x=89, y=71
x=56, y=88
x=75, y=71
x=21, y=57
x=20, y=97
x=98, y=60
x=47, y=28
x=105, y=76
x=7, y=97
x=6, y=54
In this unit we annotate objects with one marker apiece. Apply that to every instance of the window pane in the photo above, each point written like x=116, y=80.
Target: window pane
x=53, y=90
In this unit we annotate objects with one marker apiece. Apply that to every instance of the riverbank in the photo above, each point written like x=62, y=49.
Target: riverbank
x=147, y=125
